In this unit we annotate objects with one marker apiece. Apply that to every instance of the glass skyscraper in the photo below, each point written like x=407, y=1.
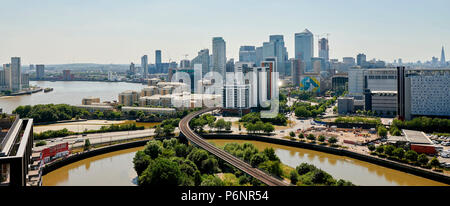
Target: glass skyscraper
x=304, y=47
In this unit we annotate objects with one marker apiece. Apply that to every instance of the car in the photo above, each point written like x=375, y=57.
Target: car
x=445, y=143
x=84, y=135
x=79, y=140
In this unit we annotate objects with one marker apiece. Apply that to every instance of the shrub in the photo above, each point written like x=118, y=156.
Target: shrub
x=40, y=143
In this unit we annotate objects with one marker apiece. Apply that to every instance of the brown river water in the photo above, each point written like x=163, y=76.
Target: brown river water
x=116, y=168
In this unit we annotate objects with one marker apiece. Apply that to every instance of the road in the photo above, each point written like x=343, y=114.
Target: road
x=236, y=162
x=97, y=138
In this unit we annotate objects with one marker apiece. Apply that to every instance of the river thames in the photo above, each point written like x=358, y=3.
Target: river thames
x=68, y=92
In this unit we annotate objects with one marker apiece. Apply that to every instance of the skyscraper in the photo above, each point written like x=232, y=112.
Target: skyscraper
x=324, y=49
x=144, y=65
x=304, y=47
x=203, y=59
x=219, y=55
x=247, y=54
x=158, y=57
x=40, y=73
x=275, y=48
x=361, y=60
x=16, y=76
x=443, y=62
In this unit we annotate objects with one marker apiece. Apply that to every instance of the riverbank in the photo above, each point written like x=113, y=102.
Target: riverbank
x=341, y=152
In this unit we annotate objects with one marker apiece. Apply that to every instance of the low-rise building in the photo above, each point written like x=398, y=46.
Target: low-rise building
x=128, y=98
x=90, y=100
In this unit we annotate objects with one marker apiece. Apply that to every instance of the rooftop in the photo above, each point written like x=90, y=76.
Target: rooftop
x=416, y=137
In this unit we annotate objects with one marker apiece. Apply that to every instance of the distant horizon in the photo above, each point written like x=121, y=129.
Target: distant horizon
x=115, y=32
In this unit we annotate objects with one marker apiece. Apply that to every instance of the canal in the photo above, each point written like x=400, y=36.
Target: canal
x=116, y=168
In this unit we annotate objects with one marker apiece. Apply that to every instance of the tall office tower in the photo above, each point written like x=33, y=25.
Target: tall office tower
x=40, y=71
x=324, y=49
x=16, y=78
x=297, y=69
x=158, y=65
x=25, y=80
x=31, y=67
x=132, y=68
x=230, y=65
x=144, y=65
x=259, y=55
x=185, y=63
x=7, y=76
x=203, y=59
x=247, y=54
x=275, y=48
x=304, y=47
x=400, y=61
x=360, y=59
x=158, y=57
x=270, y=65
x=443, y=62
x=349, y=61
x=219, y=55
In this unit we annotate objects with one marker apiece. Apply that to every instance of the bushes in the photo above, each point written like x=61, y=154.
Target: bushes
x=358, y=120
x=311, y=175
x=255, y=117
x=40, y=143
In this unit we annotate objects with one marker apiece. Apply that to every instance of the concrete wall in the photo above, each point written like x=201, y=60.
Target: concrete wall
x=71, y=159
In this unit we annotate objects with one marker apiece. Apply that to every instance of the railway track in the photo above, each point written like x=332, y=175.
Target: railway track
x=227, y=157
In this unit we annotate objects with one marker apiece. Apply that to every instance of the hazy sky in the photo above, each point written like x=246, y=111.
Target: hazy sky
x=120, y=32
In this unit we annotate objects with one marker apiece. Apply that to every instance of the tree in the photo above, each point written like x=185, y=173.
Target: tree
x=380, y=149
x=257, y=159
x=141, y=162
x=311, y=137
x=399, y=153
x=434, y=162
x=371, y=147
x=212, y=180
x=270, y=154
x=301, y=136
x=220, y=124
x=302, y=112
x=87, y=145
x=382, y=131
x=292, y=134
x=388, y=149
x=268, y=128
x=332, y=140
x=153, y=149
x=294, y=177
x=159, y=131
x=162, y=172
x=411, y=155
x=168, y=129
x=321, y=138
x=422, y=159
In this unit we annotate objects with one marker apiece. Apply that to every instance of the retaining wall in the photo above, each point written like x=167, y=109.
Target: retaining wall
x=83, y=155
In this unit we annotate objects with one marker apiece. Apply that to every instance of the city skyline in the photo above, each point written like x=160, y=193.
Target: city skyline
x=60, y=32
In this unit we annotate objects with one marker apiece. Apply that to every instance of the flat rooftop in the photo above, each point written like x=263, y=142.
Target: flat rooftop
x=416, y=137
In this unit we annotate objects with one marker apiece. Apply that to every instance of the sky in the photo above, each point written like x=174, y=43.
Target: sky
x=120, y=32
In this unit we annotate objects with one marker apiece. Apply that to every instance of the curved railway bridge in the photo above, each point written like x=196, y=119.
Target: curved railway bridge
x=227, y=157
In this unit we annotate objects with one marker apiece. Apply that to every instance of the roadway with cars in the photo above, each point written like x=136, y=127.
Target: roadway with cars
x=97, y=138
x=236, y=162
